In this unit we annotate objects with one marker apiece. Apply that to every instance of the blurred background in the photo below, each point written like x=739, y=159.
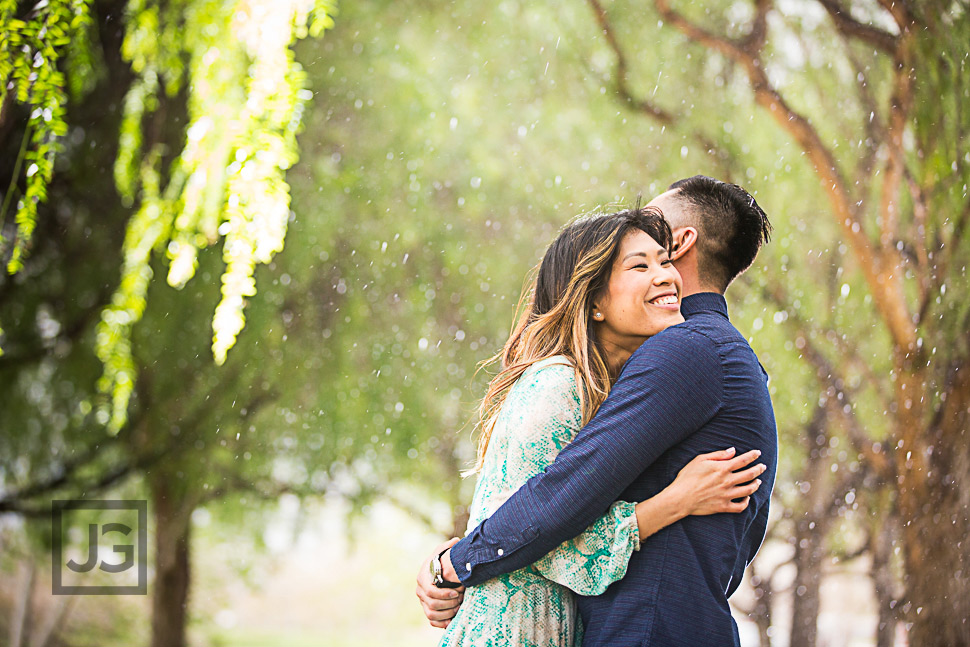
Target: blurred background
x=255, y=250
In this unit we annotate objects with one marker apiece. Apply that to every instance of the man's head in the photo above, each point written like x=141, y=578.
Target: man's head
x=718, y=229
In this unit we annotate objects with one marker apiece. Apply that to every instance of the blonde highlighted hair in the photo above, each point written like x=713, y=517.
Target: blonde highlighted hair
x=557, y=315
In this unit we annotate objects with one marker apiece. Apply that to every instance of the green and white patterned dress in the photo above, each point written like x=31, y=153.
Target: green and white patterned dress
x=535, y=606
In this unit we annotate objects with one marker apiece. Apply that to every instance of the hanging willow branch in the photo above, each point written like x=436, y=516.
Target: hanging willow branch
x=32, y=48
x=229, y=67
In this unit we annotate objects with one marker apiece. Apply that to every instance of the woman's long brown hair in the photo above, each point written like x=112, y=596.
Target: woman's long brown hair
x=557, y=319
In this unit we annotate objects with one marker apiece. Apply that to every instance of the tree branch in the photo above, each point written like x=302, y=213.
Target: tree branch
x=941, y=264
x=60, y=476
x=875, y=130
x=108, y=478
x=774, y=293
x=636, y=103
x=900, y=103
x=266, y=491
x=622, y=70
x=849, y=26
x=828, y=377
x=901, y=13
x=755, y=40
x=884, y=282
x=921, y=221
x=70, y=332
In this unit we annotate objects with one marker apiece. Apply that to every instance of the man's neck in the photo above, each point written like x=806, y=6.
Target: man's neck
x=694, y=286
x=692, y=283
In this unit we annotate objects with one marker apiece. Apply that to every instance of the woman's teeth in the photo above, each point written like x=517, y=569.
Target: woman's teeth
x=668, y=300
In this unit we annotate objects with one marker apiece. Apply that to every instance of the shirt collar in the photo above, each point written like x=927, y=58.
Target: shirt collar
x=703, y=302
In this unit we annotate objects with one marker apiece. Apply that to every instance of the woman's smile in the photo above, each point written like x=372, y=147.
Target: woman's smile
x=668, y=300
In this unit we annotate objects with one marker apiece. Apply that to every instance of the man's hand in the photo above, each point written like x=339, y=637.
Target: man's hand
x=440, y=605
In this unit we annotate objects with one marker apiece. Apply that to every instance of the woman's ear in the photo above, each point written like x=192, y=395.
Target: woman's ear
x=684, y=239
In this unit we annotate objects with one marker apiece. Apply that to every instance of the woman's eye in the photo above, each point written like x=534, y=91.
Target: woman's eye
x=666, y=262
x=643, y=265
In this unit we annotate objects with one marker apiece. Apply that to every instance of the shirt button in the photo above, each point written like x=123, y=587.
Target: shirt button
x=468, y=567
x=500, y=552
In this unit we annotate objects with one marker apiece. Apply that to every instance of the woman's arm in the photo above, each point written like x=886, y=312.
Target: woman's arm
x=590, y=562
x=709, y=484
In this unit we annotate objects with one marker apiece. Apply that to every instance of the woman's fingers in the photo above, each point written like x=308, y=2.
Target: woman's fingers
x=726, y=459
x=737, y=499
x=745, y=490
x=721, y=455
x=742, y=461
x=749, y=474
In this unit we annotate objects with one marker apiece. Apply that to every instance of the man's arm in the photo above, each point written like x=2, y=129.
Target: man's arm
x=670, y=387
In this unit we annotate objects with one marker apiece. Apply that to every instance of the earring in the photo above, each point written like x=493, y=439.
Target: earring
x=598, y=316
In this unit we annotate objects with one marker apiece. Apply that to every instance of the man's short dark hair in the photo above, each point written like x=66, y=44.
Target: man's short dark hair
x=731, y=226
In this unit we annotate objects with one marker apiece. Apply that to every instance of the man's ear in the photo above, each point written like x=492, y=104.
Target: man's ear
x=684, y=240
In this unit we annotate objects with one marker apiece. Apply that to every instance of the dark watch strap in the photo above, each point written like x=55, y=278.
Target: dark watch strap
x=439, y=576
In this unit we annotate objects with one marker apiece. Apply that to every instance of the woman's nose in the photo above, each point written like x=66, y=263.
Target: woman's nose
x=664, y=276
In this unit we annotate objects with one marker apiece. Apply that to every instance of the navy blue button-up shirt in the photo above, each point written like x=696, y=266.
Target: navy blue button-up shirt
x=694, y=388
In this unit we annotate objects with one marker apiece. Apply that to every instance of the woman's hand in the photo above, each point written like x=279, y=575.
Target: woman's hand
x=708, y=484
x=711, y=483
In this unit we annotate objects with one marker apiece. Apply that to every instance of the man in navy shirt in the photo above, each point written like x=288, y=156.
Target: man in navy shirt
x=694, y=388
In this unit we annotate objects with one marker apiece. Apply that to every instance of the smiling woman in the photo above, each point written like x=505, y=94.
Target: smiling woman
x=583, y=264
x=641, y=299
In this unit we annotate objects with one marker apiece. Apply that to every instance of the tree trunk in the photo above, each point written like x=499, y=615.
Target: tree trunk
x=808, y=581
x=884, y=584
x=446, y=453
x=23, y=605
x=934, y=505
x=172, y=573
x=761, y=613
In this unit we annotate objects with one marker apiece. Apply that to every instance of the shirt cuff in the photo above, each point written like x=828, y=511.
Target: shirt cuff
x=461, y=561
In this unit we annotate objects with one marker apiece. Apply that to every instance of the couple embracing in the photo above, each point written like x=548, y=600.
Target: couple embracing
x=619, y=499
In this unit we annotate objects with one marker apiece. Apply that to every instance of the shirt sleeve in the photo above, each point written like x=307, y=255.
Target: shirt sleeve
x=756, y=530
x=669, y=388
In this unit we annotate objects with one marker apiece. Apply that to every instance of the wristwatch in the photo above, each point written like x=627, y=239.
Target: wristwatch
x=437, y=573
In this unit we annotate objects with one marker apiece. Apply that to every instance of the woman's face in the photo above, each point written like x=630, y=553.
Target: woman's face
x=642, y=297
